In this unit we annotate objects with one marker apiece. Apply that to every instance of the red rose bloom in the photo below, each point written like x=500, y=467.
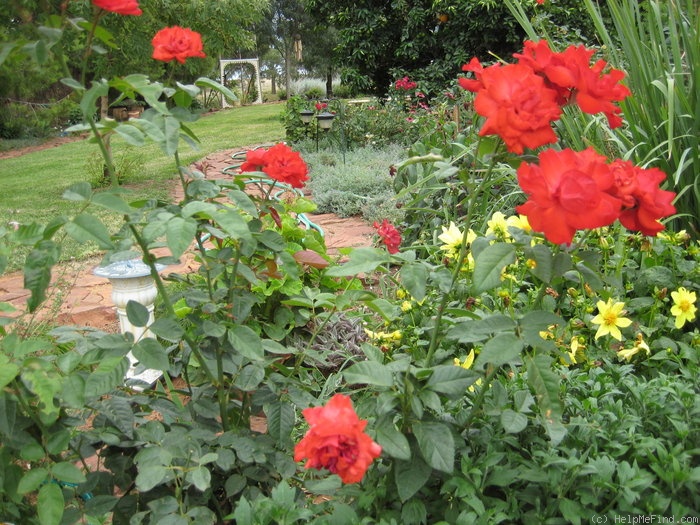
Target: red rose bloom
x=570, y=74
x=121, y=7
x=285, y=165
x=254, y=160
x=389, y=234
x=469, y=84
x=518, y=107
x=643, y=202
x=568, y=191
x=336, y=440
x=177, y=43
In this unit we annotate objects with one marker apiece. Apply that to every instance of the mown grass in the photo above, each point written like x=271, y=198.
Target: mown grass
x=34, y=183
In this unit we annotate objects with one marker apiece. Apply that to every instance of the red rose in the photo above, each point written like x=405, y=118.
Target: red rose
x=121, y=7
x=254, y=160
x=469, y=84
x=177, y=43
x=643, y=201
x=568, y=191
x=336, y=440
x=518, y=107
x=575, y=80
x=285, y=165
x=389, y=234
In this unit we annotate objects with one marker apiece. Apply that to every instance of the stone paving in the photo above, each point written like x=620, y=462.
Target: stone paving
x=81, y=298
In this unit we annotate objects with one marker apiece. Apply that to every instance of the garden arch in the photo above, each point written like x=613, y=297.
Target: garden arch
x=253, y=62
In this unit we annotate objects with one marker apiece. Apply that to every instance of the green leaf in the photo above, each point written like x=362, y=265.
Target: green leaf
x=88, y=102
x=118, y=410
x=513, y=422
x=37, y=271
x=200, y=478
x=68, y=473
x=179, y=234
x=131, y=134
x=212, y=84
x=250, y=377
x=361, y=260
x=544, y=262
x=86, y=228
x=80, y=191
x=489, y=265
x=451, y=380
x=436, y=444
x=113, y=202
x=151, y=354
x=414, y=278
x=50, y=504
x=501, y=349
x=280, y=421
x=168, y=329
x=410, y=476
x=137, y=313
x=392, y=441
x=32, y=479
x=246, y=342
x=369, y=373
x=151, y=476
x=232, y=223
x=545, y=382
x=8, y=371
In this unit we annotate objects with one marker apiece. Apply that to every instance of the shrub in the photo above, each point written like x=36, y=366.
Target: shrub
x=361, y=186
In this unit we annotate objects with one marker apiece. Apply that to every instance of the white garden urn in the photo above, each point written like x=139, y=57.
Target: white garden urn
x=131, y=281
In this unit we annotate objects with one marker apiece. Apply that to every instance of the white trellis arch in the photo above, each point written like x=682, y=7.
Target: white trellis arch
x=253, y=62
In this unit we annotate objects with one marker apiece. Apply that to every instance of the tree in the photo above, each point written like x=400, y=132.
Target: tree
x=428, y=40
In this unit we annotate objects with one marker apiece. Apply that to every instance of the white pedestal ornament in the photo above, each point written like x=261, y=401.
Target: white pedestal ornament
x=131, y=281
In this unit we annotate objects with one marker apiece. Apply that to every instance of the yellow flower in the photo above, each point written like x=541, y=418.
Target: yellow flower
x=639, y=345
x=498, y=226
x=520, y=222
x=452, y=239
x=401, y=293
x=406, y=306
x=467, y=364
x=683, y=306
x=610, y=318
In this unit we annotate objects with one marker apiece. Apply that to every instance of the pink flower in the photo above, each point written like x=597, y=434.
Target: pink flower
x=389, y=234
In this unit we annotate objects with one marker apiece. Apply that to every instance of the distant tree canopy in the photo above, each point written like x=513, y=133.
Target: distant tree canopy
x=226, y=27
x=429, y=40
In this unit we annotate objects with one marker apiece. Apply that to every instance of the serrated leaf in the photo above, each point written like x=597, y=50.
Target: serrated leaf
x=113, y=202
x=489, y=265
x=86, y=228
x=80, y=191
x=392, y=441
x=68, y=473
x=137, y=313
x=37, y=271
x=31, y=480
x=513, y=422
x=246, y=342
x=150, y=477
x=167, y=329
x=212, y=84
x=151, y=354
x=436, y=444
x=249, y=378
x=280, y=421
x=131, y=134
x=179, y=234
x=200, y=478
x=50, y=504
x=411, y=476
x=118, y=410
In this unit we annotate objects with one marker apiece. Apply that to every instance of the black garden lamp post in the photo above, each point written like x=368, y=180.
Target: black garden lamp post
x=306, y=116
x=325, y=122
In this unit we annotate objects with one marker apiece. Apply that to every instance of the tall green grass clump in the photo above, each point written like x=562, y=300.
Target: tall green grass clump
x=657, y=44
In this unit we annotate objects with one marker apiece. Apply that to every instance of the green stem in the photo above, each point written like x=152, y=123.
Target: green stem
x=479, y=401
x=149, y=259
x=483, y=184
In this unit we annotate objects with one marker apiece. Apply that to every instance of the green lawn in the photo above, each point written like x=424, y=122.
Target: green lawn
x=33, y=183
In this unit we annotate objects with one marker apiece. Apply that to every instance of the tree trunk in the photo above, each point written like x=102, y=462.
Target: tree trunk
x=329, y=83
